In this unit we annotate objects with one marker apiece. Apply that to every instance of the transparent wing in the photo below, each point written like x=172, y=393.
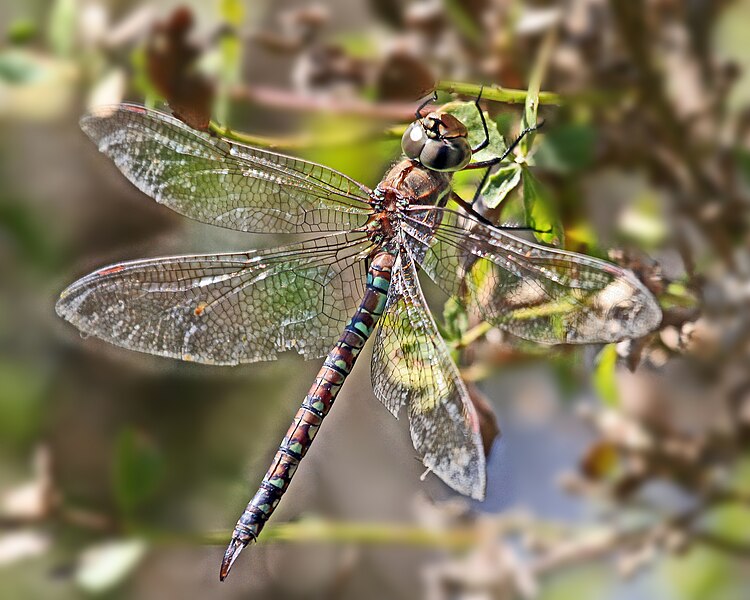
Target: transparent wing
x=411, y=366
x=224, y=183
x=541, y=294
x=225, y=308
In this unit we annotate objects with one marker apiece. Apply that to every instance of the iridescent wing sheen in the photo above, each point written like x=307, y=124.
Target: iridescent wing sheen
x=411, y=366
x=224, y=183
x=225, y=308
x=541, y=294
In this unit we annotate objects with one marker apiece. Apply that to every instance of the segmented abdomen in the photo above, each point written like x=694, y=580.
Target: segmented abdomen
x=337, y=365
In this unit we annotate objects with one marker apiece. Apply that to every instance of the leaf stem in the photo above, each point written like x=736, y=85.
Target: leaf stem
x=496, y=93
x=473, y=334
x=303, y=141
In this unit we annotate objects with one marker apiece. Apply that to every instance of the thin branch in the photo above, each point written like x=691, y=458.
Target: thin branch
x=302, y=142
x=496, y=93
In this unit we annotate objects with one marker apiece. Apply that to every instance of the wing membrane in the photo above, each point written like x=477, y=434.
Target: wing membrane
x=224, y=183
x=541, y=294
x=225, y=308
x=412, y=366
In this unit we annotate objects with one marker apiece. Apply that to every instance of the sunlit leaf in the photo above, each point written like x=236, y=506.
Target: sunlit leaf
x=701, y=574
x=104, y=566
x=540, y=211
x=357, y=45
x=141, y=80
x=230, y=52
x=500, y=183
x=232, y=11
x=577, y=583
x=353, y=158
x=604, y=378
x=582, y=234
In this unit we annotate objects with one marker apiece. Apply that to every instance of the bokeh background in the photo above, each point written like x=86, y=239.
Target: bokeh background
x=621, y=471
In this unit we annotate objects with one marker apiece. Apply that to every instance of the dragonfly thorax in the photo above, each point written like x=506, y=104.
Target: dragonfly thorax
x=406, y=185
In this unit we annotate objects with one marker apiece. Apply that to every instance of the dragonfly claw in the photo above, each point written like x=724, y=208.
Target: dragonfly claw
x=230, y=555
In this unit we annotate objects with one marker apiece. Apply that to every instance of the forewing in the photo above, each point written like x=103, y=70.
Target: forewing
x=224, y=183
x=537, y=293
x=412, y=366
x=225, y=308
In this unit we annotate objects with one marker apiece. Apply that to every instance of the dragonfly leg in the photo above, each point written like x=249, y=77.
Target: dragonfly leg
x=493, y=161
x=315, y=407
x=488, y=164
x=431, y=98
x=469, y=208
x=486, y=141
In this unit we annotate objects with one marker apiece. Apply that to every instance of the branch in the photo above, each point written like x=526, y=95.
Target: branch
x=496, y=93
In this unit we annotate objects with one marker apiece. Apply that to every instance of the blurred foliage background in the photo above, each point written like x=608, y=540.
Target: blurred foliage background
x=621, y=471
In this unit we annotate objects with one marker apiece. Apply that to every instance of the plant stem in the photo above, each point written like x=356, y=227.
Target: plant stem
x=303, y=142
x=313, y=530
x=496, y=93
x=473, y=334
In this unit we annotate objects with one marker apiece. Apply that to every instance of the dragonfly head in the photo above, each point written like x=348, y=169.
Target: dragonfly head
x=438, y=141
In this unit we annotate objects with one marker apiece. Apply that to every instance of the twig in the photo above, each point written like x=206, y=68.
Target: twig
x=303, y=142
x=496, y=93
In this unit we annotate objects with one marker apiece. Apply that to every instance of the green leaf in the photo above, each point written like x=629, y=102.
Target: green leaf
x=703, y=573
x=229, y=56
x=18, y=67
x=540, y=212
x=577, y=583
x=500, y=184
x=22, y=391
x=528, y=119
x=141, y=80
x=62, y=25
x=138, y=470
x=21, y=31
x=467, y=113
x=232, y=11
x=604, y=379
x=104, y=566
x=567, y=148
x=455, y=320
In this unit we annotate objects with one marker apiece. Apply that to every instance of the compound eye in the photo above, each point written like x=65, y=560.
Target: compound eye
x=446, y=155
x=414, y=140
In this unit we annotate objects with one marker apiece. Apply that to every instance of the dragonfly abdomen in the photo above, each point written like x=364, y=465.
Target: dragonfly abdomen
x=318, y=401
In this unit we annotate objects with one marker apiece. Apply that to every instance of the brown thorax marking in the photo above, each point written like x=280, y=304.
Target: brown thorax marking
x=407, y=183
x=442, y=125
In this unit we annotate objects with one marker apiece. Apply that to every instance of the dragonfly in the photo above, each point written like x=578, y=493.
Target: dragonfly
x=353, y=276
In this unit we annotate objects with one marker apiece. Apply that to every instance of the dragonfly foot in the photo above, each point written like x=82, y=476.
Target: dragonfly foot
x=230, y=555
